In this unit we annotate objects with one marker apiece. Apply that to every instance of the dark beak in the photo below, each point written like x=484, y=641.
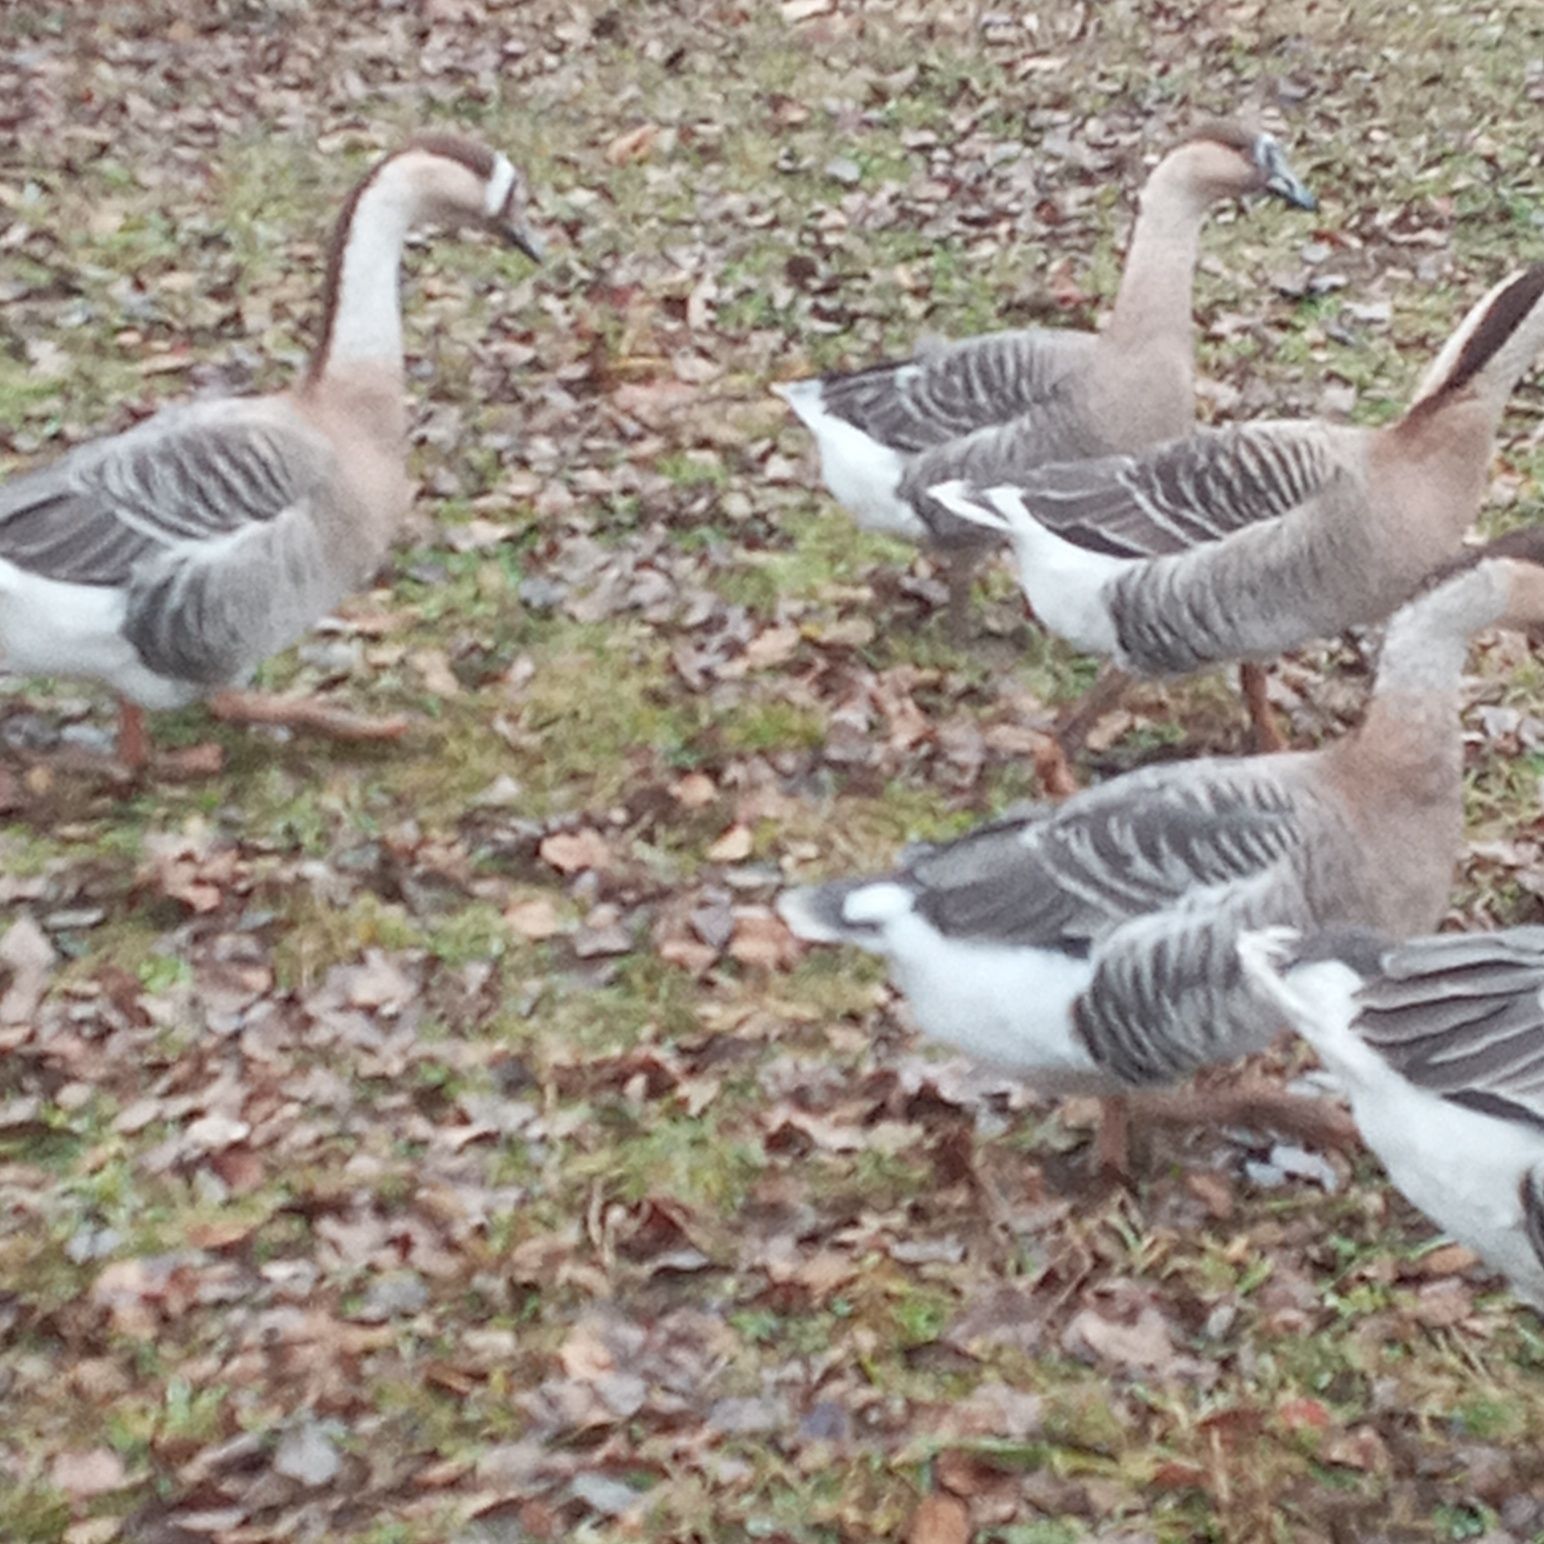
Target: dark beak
x=517, y=233
x=1285, y=184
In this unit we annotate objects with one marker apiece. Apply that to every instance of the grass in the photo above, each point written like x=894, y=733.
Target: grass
x=615, y=1163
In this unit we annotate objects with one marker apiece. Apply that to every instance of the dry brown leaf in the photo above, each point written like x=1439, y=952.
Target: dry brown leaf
x=434, y=670
x=694, y=790
x=1304, y=1413
x=1446, y=1260
x=734, y=846
x=378, y=981
x=1361, y=1448
x=940, y=1520
x=632, y=144
x=85, y=1475
x=1443, y=1303
x=536, y=918
x=1143, y=1343
x=775, y=646
x=761, y=939
x=569, y=852
x=26, y=952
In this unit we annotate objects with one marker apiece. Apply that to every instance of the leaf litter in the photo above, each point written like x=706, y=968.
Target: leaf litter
x=451, y=1145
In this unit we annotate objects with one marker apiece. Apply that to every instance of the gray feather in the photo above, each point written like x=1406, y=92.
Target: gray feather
x=1072, y=874
x=1531, y=1192
x=951, y=389
x=1463, y=1016
x=205, y=517
x=1185, y=493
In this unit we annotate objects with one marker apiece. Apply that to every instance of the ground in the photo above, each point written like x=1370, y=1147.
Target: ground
x=444, y=1142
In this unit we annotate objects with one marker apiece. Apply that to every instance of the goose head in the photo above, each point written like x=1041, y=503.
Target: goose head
x=1230, y=159
x=462, y=184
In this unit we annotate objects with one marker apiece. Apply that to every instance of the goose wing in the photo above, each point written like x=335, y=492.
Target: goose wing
x=1462, y=1015
x=951, y=389
x=188, y=477
x=1068, y=876
x=1187, y=492
x=205, y=517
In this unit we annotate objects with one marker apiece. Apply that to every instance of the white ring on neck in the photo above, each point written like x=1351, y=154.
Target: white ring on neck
x=500, y=180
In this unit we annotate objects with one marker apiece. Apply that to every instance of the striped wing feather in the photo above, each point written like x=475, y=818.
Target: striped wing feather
x=1188, y=492
x=185, y=477
x=1155, y=881
x=205, y=516
x=952, y=389
x=1463, y=1016
x=1065, y=878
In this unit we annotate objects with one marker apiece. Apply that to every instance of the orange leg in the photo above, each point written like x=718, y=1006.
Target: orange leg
x=1053, y=769
x=959, y=575
x=1267, y=732
x=133, y=737
x=1112, y=1140
x=1257, y=1103
x=303, y=713
x=1108, y=688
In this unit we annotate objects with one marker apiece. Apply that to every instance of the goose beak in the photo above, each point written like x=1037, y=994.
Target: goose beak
x=1280, y=179
x=1285, y=185
x=517, y=233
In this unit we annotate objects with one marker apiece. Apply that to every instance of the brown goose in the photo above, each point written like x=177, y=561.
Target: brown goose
x=1090, y=945
x=991, y=408
x=169, y=561
x=1241, y=542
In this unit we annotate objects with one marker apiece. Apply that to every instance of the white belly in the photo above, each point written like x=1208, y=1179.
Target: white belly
x=859, y=473
x=1462, y=1168
x=1011, y=1007
x=55, y=629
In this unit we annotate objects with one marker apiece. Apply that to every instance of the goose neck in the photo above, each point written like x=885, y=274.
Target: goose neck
x=1156, y=296
x=362, y=303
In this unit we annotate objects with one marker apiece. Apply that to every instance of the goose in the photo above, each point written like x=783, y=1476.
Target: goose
x=992, y=407
x=169, y=561
x=1088, y=945
x=1241, y=542
x=1439, y=1043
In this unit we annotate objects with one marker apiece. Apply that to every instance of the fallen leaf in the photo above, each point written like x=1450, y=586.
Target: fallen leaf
x=939, y=1520
x=776, y=646
x=1303, y=1414
x=83, y=1476
x=571, y=851
x=1144, y=1343
x=217, y=1130
x=761, y=938
x=1446, y=1260
x=632, y=145
x=307, y=1454
x=734, y=846
x=693, y=791
x=536, y=918
x=27, y=953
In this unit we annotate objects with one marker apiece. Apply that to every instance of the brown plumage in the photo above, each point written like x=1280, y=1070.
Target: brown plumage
x=1241, y=542
x=170, y=561
x=1091, y=945
x=992, y=408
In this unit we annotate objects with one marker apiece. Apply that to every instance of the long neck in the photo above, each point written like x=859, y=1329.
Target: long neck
x=1496, y=382
x=1422, y=653
x=1497, y=344
x=1413, y=716
x=362, y=307
x=1155, y=299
